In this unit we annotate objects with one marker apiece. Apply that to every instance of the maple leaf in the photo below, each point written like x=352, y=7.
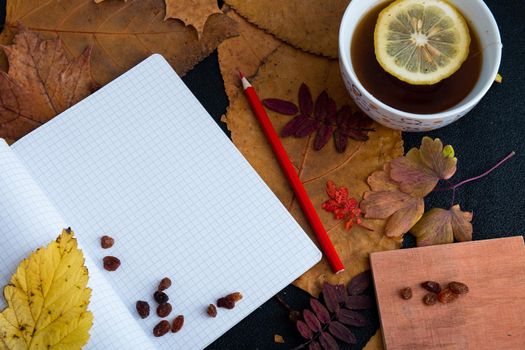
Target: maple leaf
x=440, y=226
x=47, y=300
x=41, y=82
x=342, y=205
x=419, y=171
x=322, y=118
x=193, y=13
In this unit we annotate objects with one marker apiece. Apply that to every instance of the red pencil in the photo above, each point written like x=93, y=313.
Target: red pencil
x=286, y=165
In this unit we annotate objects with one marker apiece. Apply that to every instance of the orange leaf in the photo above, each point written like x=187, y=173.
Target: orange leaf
x=42, y=82
x=440, y=226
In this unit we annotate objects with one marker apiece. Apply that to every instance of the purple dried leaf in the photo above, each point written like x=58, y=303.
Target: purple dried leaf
x=357, y=135
x=280, y=106
x=330, y=297
x=328, y=342
x=351, y=318
x=320, y=310
x=340, y=291
x=304, y=330
x=342, y=333
x=306, y=103
x=307, y=127
x=343, y=115
x=311, y=321
x=358, y=302
x=363, y=121
x=324, y=133
x=359, y=283
x=341, y=141
x=331, y=108
x=291, y=127
x=314, y=346
x=321, y=106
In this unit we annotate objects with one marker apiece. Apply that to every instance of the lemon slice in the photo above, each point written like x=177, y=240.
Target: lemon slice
x=421, y=42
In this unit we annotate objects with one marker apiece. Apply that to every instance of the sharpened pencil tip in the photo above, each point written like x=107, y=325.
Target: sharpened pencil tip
x=241, y=75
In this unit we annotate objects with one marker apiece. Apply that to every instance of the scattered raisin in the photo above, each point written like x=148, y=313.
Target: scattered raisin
x=235, y=297
x=106, y=242
x=164, y=284
x=160, y=297
x=161, y=328
x=431, y=286
x=111, y=263
x=430, y=299
x=447, y=296
x=143, y=308
x=458, y=287
x=406, y=293
x=226, y=303
x=212, y=310
x=177, y=324
x=163, y=310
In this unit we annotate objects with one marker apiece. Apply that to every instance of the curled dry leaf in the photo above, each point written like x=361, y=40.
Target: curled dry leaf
x=309, y=25
x=121, y=33
x=41, y=83
x=282, y=75
x=43, y=311
x=193, y=13
x=440, y=226
x=419, y=171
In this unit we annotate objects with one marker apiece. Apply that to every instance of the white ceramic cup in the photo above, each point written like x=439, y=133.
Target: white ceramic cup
x=479, y=17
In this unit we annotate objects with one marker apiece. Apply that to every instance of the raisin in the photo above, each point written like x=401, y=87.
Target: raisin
x=431, y=286
x=212, y=310
x=111, y=263
x=430, y=299
x=164, y=284
x=177, y=324
x=163, y=310
x=106, y=242
x=161, y=328
x=458, y=287
x=447, y=296
x=235, y=297
x=160, y=297
x=143, y=308
x=406, y=293
x=226, y=303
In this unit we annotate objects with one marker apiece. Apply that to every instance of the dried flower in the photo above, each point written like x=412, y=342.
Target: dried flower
x=342, y=205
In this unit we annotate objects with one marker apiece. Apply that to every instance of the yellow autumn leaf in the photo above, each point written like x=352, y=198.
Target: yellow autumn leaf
x=47, y=300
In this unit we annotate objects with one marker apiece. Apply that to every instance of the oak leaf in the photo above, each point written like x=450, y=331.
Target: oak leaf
x=47, y=299
x=419, y=171
x=440, y=226
x=42, y=82
x=121, y=33
x=280, y=72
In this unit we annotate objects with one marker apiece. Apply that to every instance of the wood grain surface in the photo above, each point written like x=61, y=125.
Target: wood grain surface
x=491, y=316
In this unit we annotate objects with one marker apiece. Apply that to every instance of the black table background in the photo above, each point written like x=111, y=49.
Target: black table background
x=488, y=133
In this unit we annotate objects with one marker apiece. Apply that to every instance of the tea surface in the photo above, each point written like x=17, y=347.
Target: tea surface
x=421, y=99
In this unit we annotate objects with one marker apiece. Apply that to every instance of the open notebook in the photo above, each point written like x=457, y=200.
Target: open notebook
x=142, y=161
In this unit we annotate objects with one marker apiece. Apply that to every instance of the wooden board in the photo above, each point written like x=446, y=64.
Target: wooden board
x=491, y=316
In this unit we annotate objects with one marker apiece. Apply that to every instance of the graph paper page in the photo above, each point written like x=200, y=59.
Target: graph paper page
x=142, y=161
x=28, y=221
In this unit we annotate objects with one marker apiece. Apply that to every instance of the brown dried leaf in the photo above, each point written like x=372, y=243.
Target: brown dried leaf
x=376, y=342
x=122, y=33
x=42, y=82
x=193, y=13
x=420, y=170
x=440, y=226
x=281, y=75
x=244, y=53
x=309, y=25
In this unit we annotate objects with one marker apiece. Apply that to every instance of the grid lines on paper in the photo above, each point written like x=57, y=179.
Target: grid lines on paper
x=142, y=161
